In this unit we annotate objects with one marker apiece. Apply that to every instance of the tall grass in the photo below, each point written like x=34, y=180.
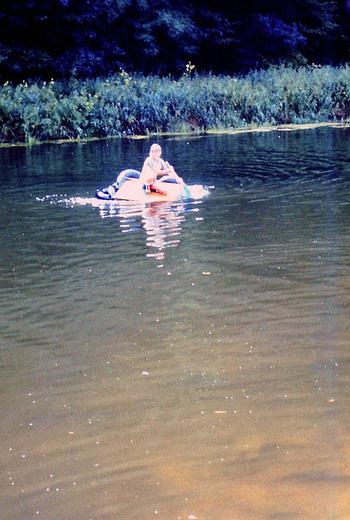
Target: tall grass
x=127, y=105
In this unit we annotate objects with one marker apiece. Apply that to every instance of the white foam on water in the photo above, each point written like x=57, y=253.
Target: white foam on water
x=195, y=191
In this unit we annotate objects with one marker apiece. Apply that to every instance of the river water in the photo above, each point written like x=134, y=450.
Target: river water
x=177, y=361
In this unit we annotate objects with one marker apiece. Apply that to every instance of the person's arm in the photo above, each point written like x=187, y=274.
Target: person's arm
x=165, y=168
x=149, y=167
x=172, y=173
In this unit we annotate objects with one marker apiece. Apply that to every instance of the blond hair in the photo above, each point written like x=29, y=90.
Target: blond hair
x=155, y=146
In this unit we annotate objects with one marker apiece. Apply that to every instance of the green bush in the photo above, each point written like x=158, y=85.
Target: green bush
x=125, y=105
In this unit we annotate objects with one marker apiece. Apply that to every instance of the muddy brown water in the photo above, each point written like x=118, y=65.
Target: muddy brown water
x=177, y=361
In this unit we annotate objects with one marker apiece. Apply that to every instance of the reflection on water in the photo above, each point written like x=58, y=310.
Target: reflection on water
x=163, y=228
x=216, y=388
x=162, y=221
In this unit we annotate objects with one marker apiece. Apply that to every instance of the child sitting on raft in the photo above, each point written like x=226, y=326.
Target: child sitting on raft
x=153, y=167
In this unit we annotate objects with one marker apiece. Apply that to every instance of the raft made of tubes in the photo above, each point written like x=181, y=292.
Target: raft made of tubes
x=129, y=187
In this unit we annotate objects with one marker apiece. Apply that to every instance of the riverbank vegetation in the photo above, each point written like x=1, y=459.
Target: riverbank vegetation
x=87, y=47
x=126, y=105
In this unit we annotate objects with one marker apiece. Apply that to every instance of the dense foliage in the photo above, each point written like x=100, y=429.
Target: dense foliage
x=134, y=104
x=90, y=38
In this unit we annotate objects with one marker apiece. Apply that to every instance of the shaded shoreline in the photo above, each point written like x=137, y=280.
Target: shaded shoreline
x=126, y=106
x=228, y=131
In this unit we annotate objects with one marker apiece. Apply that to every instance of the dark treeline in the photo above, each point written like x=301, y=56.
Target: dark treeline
x=88, y=38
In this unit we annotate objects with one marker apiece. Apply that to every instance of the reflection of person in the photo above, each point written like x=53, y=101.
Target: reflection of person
x=162, y=224
x=153, y=167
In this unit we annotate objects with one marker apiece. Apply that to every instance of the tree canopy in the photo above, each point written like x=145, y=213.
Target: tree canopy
x=88, y=38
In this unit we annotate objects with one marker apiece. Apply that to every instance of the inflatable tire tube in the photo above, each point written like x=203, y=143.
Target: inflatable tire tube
x=127, y=174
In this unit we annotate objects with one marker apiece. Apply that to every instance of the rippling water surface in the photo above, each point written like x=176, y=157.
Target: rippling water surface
x=177, y=361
